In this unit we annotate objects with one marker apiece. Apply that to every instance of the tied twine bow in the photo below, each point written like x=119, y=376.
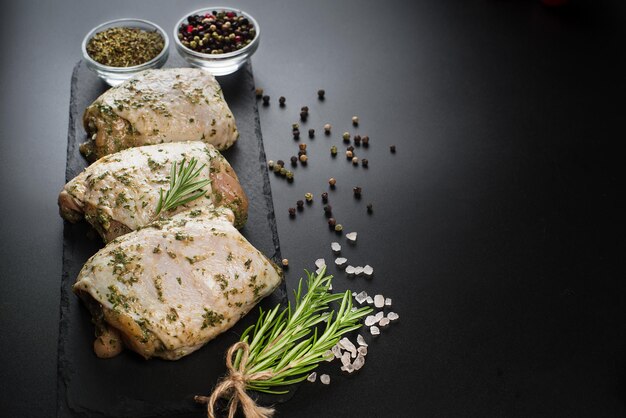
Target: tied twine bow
x=233, y=387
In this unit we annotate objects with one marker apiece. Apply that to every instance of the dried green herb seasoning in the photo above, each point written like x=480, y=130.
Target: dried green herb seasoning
x=124, y=47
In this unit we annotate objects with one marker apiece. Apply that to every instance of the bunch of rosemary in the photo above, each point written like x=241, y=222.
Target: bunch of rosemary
x=183, y=186
x=283, y=347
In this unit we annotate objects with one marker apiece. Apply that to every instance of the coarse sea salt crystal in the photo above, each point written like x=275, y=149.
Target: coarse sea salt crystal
x=379, y=315
x=368, y=270
x=335, y=247
x=325, y=379
x=341, y=261
x=353, y=294
x=350, y=271
x=348, y=368
x=369, y=300
x=336, y=351
x=358, y=271
x=370, y=320
x=351, y=236
x=345, y=358
x=312, y=377
x=361, y=341
x=393, y=316
x=359, y=362
x=361, y=351
x=360, y=298
x=379, y=301
x=320, y=262
x=374, y=330
x=329, y=355
x=349, y=346
x=387, y=301
x=383, y=322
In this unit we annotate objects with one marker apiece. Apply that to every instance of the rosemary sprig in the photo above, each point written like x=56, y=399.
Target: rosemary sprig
x=183, y=187
x=288, y=344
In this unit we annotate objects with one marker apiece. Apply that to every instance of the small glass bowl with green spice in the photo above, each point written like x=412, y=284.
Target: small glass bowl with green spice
x=118, y=49
x=217, y=39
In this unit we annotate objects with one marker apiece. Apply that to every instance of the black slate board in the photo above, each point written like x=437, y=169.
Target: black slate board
x=128, y=385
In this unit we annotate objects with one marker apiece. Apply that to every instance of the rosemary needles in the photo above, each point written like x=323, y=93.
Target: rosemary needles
x=183, y=186
x=284, y=346
x=288, y=343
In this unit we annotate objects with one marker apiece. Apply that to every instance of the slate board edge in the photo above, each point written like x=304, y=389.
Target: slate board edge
x=62, y=406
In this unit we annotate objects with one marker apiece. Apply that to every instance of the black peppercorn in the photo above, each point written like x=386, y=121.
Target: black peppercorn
x=325, y=197
x=328, y=210
x=292, y=212
x=303, y=116
x=281, y=101
x=311, y=133
x=369, y=208
x=364, y=162
x=357, y=140
x=392, y=149
x=266, y=100
x=357, y=191
x=300, y=204
x=294, y=160
x=320, y=94
x=331, y=223
x=365, y=140
x=296, y=134
x=280, y=163
x=350, y=148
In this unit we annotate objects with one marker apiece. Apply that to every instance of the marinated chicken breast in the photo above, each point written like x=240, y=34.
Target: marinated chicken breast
x=166, y=290
x=158, y=106
x=120, y=192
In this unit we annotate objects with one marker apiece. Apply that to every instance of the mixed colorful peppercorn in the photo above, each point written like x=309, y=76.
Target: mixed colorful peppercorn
x=218, y=32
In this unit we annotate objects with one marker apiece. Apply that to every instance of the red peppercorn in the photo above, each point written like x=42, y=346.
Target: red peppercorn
x=230, y=14
x=189, y=28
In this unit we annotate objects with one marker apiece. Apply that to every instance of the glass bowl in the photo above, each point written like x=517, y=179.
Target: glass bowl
x=218, y=64
x=116, y=75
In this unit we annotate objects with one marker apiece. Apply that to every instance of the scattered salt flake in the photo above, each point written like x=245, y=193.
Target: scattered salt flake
x=350, y=270
x=393, y=316
x=348, y=368
x=329, y=355
x=368, y=270
x=345, y=358
x=336, y=351
x=370, y=320
x=359, y=362
x=379, y=315
x=335, y=247
x=362, y=351
x=353, y=294
x=320, y=262
x=360, y=298
x=387, y=301
x=325, y=379
x=379, y=301
x=341, y=261
x=347, y=345
x=354, y=309
x=358, y=271
x=312, y=377
x=361, y=341
x=374, y=330
x=330, y=285
x=383, y=322
x=351, y=236
x=369, y=300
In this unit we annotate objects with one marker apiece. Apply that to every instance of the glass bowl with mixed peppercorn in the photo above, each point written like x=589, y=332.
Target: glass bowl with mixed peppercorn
x=118, y=49
x=218, y=39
